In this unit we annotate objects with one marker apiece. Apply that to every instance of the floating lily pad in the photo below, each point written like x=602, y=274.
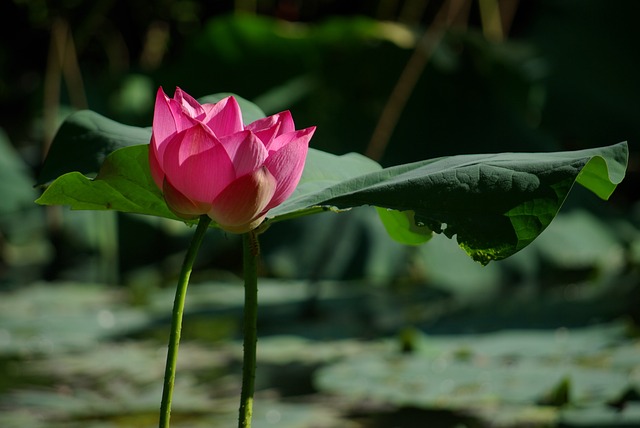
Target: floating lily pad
x=602, y=417
x=46, y=318
x=483, y=372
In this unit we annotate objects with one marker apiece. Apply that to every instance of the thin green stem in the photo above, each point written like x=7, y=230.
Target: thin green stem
x=176, y=321
x=251, y=253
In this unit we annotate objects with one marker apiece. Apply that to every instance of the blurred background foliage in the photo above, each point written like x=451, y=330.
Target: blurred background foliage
x=356, y=330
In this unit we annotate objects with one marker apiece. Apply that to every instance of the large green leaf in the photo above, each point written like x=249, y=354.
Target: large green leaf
x=495, y=204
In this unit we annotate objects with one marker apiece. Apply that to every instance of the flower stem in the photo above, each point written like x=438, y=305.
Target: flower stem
x=176, y=321
x=251, y=253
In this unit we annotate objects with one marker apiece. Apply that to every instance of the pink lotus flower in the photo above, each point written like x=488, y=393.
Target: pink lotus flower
x=206, y=161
